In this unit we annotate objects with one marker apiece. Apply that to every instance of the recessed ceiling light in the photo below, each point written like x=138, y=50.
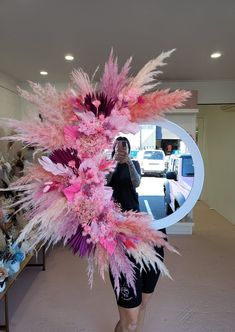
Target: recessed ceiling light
x=216, y=55
x=69, y=57
x=43, y=72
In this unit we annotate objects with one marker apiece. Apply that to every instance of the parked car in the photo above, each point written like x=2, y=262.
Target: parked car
x=179, y=181
x=167, y=158
x=152, y=162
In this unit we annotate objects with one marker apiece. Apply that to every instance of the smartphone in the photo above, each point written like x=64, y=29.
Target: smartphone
x=121, y=146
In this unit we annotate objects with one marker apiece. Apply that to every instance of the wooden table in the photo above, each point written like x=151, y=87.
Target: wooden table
x=10, y=282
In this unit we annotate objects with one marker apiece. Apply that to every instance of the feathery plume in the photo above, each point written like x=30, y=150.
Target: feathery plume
x=145, y=80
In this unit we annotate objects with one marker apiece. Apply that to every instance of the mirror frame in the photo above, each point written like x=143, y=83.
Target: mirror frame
x=198, y=175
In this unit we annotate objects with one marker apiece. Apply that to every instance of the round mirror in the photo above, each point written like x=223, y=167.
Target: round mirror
x=172, y=171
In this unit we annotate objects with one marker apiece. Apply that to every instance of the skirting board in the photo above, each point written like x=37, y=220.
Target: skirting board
x=181, y=228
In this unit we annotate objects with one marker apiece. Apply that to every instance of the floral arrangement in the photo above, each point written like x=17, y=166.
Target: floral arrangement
x=64, y=196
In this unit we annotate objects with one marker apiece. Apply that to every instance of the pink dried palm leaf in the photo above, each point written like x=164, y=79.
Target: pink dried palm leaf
x=145, y=80
x=113, y=82
x=152, y=105
x=55, y=168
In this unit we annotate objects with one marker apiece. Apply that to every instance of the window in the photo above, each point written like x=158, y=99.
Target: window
x=153, y=155
x=176, y=166
x=187, y=166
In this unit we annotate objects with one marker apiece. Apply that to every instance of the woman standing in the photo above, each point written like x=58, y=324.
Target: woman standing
x=124, y=181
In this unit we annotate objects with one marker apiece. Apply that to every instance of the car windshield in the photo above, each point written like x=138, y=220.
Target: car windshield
x=187, y=167
x=156, y=155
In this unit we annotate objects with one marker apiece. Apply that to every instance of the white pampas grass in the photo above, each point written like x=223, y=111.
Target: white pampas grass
x=145, y=80
x=146, y=256
x=44, y=225
x=83, y=82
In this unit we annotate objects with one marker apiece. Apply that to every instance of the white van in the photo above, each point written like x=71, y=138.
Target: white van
x=152, y=162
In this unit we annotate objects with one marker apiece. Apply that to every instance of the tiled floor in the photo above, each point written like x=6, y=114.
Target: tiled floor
x=200, y=299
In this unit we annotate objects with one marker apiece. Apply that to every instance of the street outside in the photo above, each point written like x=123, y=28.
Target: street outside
x=151, y=196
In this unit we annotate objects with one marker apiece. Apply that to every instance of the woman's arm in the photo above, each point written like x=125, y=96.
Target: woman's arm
x=134, y=170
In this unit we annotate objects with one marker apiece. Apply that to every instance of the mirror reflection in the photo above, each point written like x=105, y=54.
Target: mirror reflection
x=166, y=167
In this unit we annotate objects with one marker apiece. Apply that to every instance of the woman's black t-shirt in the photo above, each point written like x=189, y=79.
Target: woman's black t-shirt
x=124, y=192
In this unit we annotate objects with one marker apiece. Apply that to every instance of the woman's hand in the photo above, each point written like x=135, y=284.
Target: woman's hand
x=122, y=156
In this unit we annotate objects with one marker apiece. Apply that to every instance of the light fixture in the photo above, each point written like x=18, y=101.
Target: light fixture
x=216, y=55
x=43, y=72
x=69, y=57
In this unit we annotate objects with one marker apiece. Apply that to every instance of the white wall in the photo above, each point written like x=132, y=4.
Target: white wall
x=9, y=99
x=9, y=105
x=185, y=118
x=216, y=142
x=216, y=130
x=209, y=92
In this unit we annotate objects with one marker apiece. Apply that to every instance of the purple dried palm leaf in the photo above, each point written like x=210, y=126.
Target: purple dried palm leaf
x=78, y=243
x=105, y=107
x=64, y=156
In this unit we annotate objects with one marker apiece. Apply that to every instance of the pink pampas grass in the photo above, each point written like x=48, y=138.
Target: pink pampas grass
x=150, y=106
x=112, y=82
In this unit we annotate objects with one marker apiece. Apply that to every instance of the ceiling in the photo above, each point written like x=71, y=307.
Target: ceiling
x=36, y=34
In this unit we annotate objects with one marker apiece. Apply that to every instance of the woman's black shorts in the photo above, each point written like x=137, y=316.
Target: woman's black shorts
x=145, y=283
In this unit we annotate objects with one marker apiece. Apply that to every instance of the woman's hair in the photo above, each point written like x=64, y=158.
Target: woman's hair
x=124, y=139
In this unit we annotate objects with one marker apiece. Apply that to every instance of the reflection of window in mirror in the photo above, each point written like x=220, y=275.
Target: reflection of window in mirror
x=176, y=166
x=182, y=155
x=188, y=167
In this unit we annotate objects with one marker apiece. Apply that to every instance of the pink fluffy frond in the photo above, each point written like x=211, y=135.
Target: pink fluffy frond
x=101, y=259
x=36, y=133
x=44, y=224
x=145, y=80
x=49, y=101
x=37, y=173
x=82, y=81
x=120, y=264
x=146, y=256
x=139, y=225
x=113, y=82
x=152, y=105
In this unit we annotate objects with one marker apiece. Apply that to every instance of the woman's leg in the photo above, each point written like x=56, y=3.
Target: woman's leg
x=128, y=319
x=128, y=301
x=149, y=278
x=142, y=309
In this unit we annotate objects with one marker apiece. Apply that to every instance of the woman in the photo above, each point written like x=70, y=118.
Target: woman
x=124, y=180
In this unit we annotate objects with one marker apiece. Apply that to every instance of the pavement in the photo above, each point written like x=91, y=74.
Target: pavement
x=151, y=196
